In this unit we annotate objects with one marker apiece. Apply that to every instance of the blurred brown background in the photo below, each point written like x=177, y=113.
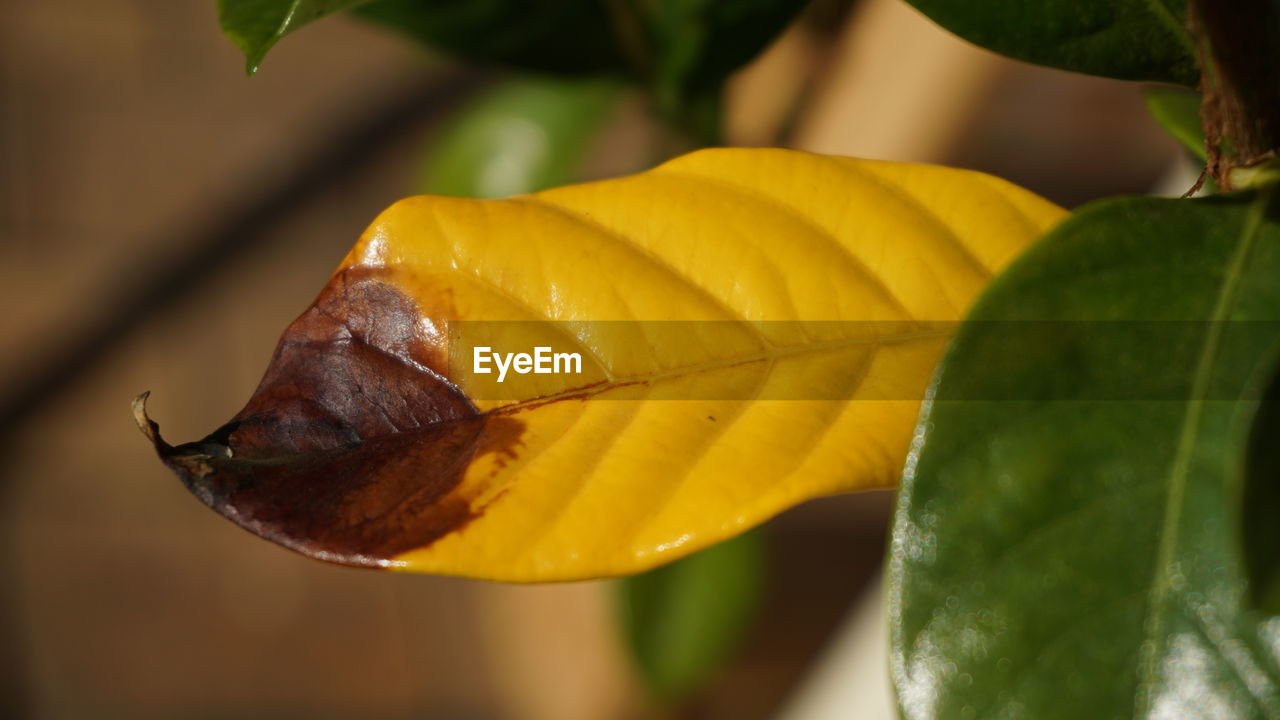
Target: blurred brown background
x=130, y=139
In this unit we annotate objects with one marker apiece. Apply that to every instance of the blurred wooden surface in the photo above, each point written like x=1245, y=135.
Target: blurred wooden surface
x=124, y=123
x=898, y=87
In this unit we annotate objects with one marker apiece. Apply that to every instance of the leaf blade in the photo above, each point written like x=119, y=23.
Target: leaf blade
x=1127, y=40
x=1068, y=514
x=801, y=322
x=558, y=36
x=682, y=620
x=255, y=26
x=524, y=135
x=1178, y=112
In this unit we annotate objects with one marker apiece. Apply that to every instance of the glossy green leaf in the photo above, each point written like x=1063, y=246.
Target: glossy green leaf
x=256, y=25
x=523, y=135
x=1126, y=39
x=1067, y=542
x=1178, y=112
x=683, y=620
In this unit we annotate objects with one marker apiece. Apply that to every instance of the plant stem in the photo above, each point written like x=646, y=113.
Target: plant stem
x=1239, y=50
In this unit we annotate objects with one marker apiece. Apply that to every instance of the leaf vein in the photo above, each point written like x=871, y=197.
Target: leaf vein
x=1185, y=445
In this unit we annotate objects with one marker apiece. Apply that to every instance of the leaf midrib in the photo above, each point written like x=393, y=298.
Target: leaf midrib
x=285, y=26
x=1180, y=467
x=287, y=20
x=770, y=354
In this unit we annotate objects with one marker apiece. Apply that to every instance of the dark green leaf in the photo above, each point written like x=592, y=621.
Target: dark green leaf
x=682, y=49
x=523, y=135
x=694, y=45
x=567, y=36
x=256, y=25
x=1262, y=504
x=1178, y=112
x=1068, y=537
x=1126, y=39
x=682, y=620
x=698, y=43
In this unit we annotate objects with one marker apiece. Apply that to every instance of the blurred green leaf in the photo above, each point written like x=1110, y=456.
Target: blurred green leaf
x=698, y=43
x=1126, y=39
x=694, y=45
x=523, y=135
x=561, y=36
x=1068, y=537
x=683, y=620
x=1178, y=112
x=256, y=25
x=683, y=50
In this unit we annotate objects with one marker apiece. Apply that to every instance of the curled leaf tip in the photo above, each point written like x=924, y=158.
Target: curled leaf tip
x=145, y=423
x=139, y=406
x=353, y=448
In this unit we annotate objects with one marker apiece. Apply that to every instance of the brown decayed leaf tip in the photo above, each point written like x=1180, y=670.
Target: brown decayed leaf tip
x=353, y=447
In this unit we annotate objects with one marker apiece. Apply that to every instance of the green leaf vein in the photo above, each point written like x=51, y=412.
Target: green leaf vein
x=1181, y=465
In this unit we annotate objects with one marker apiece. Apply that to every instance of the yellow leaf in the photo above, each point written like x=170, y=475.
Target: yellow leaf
x=754, y=327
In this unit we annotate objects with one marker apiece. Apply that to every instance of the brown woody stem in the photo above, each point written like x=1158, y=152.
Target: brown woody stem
x=1238, y=44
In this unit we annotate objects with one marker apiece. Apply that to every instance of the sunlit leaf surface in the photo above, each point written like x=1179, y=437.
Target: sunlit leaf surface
x=755, y=328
